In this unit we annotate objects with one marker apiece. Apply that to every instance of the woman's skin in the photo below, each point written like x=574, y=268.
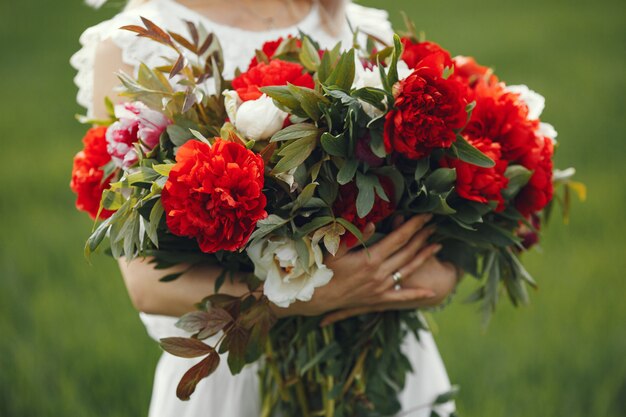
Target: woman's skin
x=362, y=277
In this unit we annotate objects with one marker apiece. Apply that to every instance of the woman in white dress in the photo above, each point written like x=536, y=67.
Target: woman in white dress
x=360, y=283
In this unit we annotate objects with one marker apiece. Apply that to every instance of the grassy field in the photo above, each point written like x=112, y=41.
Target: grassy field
x=71, y=344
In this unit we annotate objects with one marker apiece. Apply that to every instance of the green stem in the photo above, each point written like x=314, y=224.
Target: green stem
x=300, y=393
x=329, y=403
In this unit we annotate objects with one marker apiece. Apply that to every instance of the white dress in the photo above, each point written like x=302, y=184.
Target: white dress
x=224, y=395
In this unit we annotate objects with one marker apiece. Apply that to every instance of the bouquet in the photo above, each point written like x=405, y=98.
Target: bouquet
x=268, y=173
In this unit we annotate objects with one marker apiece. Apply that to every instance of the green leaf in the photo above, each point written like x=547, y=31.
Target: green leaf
x=518, y=177
x=309, y=57
x=442, y=206
x=156, y=213
x=112, y=200
x=347, y=171
x=334, y=145
x=468, y=153
x=295, y=131
x=373, y=96
x=367, y=194
x=314, y=224
x=447, y=396
x=377, y=144
x=441, y=180
x=283, y=98
x=421, y=168
x=392, y=74
x=267, y=226
x=163, y=169
x=305, y=196
x=343, y=74
x=328, y=352
x=351, y=228
x=309, y=100
x=295, y=154
x=397, y=180
x=302, y=249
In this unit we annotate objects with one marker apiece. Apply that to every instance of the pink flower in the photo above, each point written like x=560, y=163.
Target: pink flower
x=136, y=124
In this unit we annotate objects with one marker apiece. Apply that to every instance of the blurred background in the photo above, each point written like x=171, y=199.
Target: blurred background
x=72, y=345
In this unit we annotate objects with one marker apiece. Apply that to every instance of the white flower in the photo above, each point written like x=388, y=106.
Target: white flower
x=548, y=131
x=534, y=101
x=370, y=77
x=255, y=119
x=276, y=262
x=96, y=4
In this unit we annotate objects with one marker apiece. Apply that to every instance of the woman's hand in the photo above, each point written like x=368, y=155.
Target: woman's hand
x=363, y=278
x=439, y=277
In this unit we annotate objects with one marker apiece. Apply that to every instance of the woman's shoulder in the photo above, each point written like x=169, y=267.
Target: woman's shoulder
x=133, y=49
x=370, y=20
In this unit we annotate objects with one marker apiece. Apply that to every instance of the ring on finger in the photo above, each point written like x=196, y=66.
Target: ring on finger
x=397, y=279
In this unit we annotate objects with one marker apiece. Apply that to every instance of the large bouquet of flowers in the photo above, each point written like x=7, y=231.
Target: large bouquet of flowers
x=268, y=173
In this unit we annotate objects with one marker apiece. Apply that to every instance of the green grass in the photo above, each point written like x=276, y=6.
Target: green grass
x=71, y=344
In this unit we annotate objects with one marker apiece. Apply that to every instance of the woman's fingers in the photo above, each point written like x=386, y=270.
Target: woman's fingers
x=396, y=298
x=421, y=258
x=392, y=300
x=345, y=314
x=398, y=238
x=408, y=252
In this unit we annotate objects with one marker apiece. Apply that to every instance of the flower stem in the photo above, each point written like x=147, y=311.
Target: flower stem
x=329, y=403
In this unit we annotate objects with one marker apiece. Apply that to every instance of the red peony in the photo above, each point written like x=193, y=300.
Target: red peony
x=501, y=116
x=428, y=109
x=277, y=72
x=215, y=194
x=470, y=73
x=481, y=184
x=345, y=206
x=269, y=49
x=87, y=175
x=413, y=53
x=539, y=190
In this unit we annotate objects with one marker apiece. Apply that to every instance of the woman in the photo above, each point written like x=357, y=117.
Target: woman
x=362, y=281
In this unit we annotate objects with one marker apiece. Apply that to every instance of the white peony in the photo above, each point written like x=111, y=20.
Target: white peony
x=370, y=77
x=534, y=101
x=276, y=262
x=255, y=119
x=548, y=131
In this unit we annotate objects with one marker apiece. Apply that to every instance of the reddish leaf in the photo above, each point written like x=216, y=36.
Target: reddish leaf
x=236, y=342
x=156, y=30
x=137, y=29
x=225, y=301
x=205, y=45
x=183, y=41
x=190, y=100
x=178, y=66
x=193, y=31
x=193, y=322
x=268, y=151
x=217, y=320
x=185, y=347
x=197, y=373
